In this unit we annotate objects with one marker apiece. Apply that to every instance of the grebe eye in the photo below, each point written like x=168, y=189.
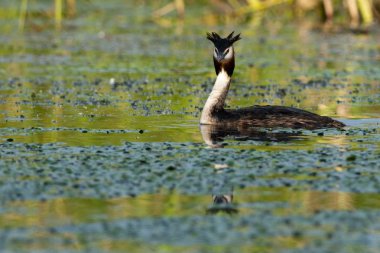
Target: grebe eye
x=226, y=52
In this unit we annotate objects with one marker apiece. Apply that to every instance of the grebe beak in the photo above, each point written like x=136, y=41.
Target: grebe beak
x=220, y=57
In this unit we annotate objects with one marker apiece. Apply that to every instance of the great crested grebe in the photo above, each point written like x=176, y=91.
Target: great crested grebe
x=268, y=116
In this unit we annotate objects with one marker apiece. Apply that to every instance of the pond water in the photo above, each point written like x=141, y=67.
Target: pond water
x=101, y=150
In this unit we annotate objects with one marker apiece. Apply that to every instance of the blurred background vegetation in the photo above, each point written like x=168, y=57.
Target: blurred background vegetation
x=354, y=13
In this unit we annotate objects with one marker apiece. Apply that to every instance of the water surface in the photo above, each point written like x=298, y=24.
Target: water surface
x=102, y=151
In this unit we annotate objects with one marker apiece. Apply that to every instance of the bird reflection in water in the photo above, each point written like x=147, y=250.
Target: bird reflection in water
x=214, y=135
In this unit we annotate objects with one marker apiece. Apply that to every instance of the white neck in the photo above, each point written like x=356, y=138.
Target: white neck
x=216, y=98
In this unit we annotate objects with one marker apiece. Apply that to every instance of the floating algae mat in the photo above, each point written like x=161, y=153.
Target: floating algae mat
x=101, y=151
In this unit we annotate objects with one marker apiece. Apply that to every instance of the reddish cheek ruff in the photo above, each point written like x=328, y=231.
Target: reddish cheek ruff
x=228, y=66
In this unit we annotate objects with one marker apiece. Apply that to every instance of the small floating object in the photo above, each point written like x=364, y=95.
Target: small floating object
x=220, y=166
x=101, y=35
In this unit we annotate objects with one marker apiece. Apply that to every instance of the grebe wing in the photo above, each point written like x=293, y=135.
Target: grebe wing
x=281, y=116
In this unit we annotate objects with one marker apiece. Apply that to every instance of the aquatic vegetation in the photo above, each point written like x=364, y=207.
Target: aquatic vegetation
x=135, y=168
x=64, y=177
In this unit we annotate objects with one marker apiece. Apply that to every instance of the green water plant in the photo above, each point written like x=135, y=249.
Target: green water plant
x=59, y=7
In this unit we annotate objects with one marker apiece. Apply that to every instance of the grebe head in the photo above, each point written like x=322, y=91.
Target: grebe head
x=223, y=51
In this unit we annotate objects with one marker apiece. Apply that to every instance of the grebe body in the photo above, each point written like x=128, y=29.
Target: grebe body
x=269, y=116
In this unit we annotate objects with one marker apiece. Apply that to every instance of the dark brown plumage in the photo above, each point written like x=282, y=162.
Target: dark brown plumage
x=274, y=116
x=228, y=66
